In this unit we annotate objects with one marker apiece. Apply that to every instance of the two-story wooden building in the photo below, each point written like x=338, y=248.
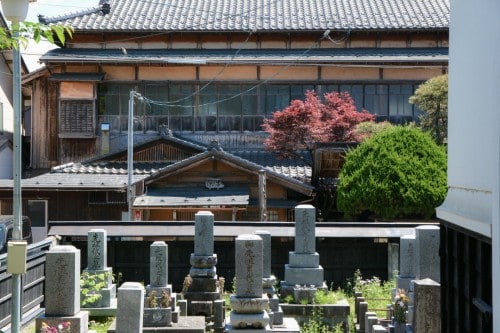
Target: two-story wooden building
x=211, y=71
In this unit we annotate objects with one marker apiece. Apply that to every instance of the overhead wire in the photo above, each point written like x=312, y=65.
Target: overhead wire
x=170, y=104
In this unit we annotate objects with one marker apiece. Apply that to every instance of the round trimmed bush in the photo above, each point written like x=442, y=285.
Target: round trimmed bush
x=399, y=172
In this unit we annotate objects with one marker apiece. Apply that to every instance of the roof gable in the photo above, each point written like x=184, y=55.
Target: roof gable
x=164, y=149
x=259, y=15
x=233, y=161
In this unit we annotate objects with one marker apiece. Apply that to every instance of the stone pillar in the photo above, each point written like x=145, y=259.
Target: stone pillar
x=129, y=314
x=97, y=269
x=407, y=262
x=370, y=320
x=363, y=308
x=392, y=259
x=275, y=311
x=97, y=250
x=62, y=286
x=303, y=268
x=158, y=264
x=204, y=289
x=305, y=229
x=427, y=253
x=62, y=290
x=427, y=306
x=249, y=304
x=159, y=289
x=204, y=234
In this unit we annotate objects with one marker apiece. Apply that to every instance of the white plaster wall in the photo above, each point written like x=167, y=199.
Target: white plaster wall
x=473, y=199
x=474, y=115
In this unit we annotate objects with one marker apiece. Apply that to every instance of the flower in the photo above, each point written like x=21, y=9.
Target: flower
x=400, y=306
x=64, y=327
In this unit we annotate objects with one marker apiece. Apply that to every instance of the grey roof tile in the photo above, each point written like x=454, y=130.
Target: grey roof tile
x=262, y=15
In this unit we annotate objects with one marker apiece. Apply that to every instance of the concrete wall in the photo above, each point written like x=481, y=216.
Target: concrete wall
x=473, y=131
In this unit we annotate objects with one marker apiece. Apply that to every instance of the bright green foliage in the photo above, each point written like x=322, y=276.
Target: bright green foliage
x=26, y=30
x=398, y=173
x=432, y=98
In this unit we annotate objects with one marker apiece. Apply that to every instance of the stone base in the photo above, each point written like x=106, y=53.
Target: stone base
x=79, y=322
x=201, y=296
x=103, y=311
x=289, y=289
x=195, y=272
x=249, y=320
x=159, y=289
x=332, y=314
x=108, y=270
x=267, y=329
x=203, y=284
x=248, y=304
x=303, y=260
x=191, y=324
x=289, y=325
x=304, y=276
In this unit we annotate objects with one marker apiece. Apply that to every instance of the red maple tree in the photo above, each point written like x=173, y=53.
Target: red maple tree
x=303, y=123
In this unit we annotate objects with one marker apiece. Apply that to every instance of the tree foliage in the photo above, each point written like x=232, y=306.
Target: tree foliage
x=432, y=98
x=303, y=123
x=398, y=173
x=19, y=34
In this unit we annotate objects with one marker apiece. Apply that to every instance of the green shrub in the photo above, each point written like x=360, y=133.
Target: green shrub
x=399, y=172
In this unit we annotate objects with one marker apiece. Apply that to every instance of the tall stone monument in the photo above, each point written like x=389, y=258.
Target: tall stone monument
x=62, y=290
x=407, y=262
x=249, y=303
x=303, y=274
x=98, y=272
x=203, y=294
x=159, y=306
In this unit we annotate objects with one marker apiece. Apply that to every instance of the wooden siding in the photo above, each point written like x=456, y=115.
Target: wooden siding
x=32, y=282
x=466, y=278
x=159, y=153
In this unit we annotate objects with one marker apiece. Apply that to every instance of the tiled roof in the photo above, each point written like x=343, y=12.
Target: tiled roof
x=293, y=168
x=109, y=168
x=261, y=15
x=269, y=56
x=80, y=181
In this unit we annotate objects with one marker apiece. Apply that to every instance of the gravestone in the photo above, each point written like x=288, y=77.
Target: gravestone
x=303, y=270
x=129, y=314
x=102, y=301
x=269, y=280
x=249, y=303
x=407, y=262
x=159, y=304
x=427, y=253
x=427, y=303
x=203, y=291
x=62, y=290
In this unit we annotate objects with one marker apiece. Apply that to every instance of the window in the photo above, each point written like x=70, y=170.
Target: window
x=106, y=198
x=76, y=109
x=233, y=107
x=272, y=215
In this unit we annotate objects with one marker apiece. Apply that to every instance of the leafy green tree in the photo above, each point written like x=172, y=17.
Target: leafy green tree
x=399, y=172
x=19, y=34
x=432, y=98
